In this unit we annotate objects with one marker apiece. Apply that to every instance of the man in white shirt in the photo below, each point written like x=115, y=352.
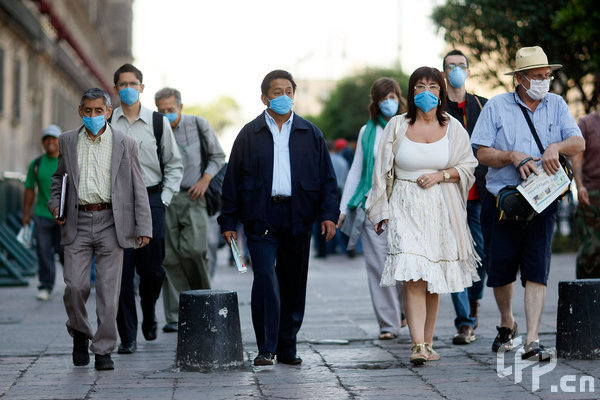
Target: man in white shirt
x=162, y=170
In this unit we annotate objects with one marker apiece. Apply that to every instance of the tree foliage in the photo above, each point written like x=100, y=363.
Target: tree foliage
x=219, y=113
x=493, y=31
x=345, y=111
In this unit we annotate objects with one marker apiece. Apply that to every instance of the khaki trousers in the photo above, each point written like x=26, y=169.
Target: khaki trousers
x=387, y=301
x=95, y=234
x=186, y=249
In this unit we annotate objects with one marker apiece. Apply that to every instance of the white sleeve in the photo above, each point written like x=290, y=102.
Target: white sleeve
x=354, y=174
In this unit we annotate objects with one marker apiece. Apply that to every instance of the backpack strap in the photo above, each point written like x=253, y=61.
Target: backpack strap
x=203, y=147
x=36, y=165
x=478, y=102
x=157, y=126
x=532, y=129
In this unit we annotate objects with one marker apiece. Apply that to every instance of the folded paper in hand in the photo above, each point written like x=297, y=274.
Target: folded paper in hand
x=541, y=190
x=63, y=197
x=237, y=257
x=25, y=235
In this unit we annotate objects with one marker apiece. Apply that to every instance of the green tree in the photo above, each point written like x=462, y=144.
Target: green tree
x=493, y=31
x=345, y=111
x=219, y=113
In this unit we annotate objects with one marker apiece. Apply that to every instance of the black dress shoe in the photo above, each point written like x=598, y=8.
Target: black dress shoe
x=294, y=360
x=80, y=349
x=149, y=330
x=127, y=348
x=104, y=362
x=171, y=327
x=264, y=359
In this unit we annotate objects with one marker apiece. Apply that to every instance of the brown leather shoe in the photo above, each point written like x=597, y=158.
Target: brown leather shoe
x=465, y=335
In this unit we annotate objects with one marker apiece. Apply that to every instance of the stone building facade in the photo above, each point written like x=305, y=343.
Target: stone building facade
x=50, y=52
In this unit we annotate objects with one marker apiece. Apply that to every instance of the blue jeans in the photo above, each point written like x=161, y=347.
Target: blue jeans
x=47, y=234
x=475, y=292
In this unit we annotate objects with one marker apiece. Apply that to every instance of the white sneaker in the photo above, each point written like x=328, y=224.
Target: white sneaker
x=43, y=295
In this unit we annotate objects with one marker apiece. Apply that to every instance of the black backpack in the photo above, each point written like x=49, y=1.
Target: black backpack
x=212, y=195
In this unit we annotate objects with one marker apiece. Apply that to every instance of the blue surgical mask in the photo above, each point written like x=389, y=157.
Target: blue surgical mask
x=171, y=117
x=389, y=107
x=426, y=100
x=457, y=77
x=129, y=95
x=94, y=124
x=281, y=105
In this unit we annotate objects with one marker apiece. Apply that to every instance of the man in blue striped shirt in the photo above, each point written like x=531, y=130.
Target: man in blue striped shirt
x=506, y=144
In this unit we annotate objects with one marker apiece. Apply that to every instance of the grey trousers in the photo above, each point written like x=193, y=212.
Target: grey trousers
x=95, y=234
x=387, y=301
x=186, y=251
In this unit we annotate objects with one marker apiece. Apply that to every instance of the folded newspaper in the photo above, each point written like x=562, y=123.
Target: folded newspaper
x=541, y=190
x=237, y=257
x=25, y=235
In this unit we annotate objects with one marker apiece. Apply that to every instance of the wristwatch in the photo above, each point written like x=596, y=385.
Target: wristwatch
x=446, y=175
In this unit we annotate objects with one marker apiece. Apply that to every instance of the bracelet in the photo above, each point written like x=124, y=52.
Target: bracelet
x=525, y=161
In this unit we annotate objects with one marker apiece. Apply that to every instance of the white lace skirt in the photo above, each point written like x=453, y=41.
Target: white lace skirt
x=421, y=242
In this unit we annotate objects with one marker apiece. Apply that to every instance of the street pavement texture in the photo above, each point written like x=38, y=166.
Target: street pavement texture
x=338, y=342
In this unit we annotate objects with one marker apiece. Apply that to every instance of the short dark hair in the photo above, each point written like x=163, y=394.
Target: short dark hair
x=276, y=74
x=93, y=94
x=432, y=74
x=454, y=52
x=128, y=68
x=380, y=88
x=167, y=92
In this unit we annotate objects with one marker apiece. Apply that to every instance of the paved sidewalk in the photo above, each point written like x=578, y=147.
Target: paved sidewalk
x=35, y=351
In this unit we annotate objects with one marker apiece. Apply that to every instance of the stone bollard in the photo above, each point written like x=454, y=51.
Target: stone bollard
x=578, y=319
x=209, y=336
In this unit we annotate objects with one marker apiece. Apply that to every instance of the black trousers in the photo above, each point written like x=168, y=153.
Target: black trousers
x=147, y=261
x=280, y=266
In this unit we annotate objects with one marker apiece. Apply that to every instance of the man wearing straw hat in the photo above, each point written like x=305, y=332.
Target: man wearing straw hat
x=505, y=142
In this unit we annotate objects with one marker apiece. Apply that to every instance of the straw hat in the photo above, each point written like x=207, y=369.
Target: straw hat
x=531, y=57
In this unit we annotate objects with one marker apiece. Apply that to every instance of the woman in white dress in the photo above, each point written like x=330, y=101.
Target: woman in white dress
x=386, y=101
x=430, y=248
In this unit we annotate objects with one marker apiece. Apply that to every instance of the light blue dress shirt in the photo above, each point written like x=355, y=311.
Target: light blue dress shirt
x=282, y=171
x=502, y=125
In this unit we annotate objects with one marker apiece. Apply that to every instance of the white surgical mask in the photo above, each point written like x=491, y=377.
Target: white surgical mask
x=538, y=89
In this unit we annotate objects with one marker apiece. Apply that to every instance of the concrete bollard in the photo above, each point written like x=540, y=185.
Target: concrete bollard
x=209, y=336
x=578, y=319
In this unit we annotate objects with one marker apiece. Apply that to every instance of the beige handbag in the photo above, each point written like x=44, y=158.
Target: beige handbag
x=389, y=176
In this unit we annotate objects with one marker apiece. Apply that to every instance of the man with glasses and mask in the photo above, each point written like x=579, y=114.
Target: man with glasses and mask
x=279, y=180
x=465, y=107
x=186, y=252
x=162, y=170
x=506, y=144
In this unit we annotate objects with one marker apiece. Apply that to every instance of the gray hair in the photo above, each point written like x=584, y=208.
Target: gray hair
x=168, y=92
x=93, y=94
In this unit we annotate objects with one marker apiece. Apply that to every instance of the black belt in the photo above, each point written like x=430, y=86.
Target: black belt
x=281, y=199
x=184, y=189
x=154, y=189
x=94, y=207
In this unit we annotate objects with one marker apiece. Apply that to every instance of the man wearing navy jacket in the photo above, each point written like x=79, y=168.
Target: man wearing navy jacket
x=278, y=182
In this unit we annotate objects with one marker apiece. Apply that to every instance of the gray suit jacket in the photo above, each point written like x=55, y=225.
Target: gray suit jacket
x=130, y=206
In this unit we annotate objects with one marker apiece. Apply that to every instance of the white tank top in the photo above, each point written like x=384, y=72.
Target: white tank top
x=414, y=159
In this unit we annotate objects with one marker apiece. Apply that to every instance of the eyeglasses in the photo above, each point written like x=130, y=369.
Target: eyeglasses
x=122, y=85
x=451, y=66
x=434, y=87
x=540, y=77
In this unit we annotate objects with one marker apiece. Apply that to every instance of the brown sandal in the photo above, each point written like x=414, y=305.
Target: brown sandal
x=385, y=335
